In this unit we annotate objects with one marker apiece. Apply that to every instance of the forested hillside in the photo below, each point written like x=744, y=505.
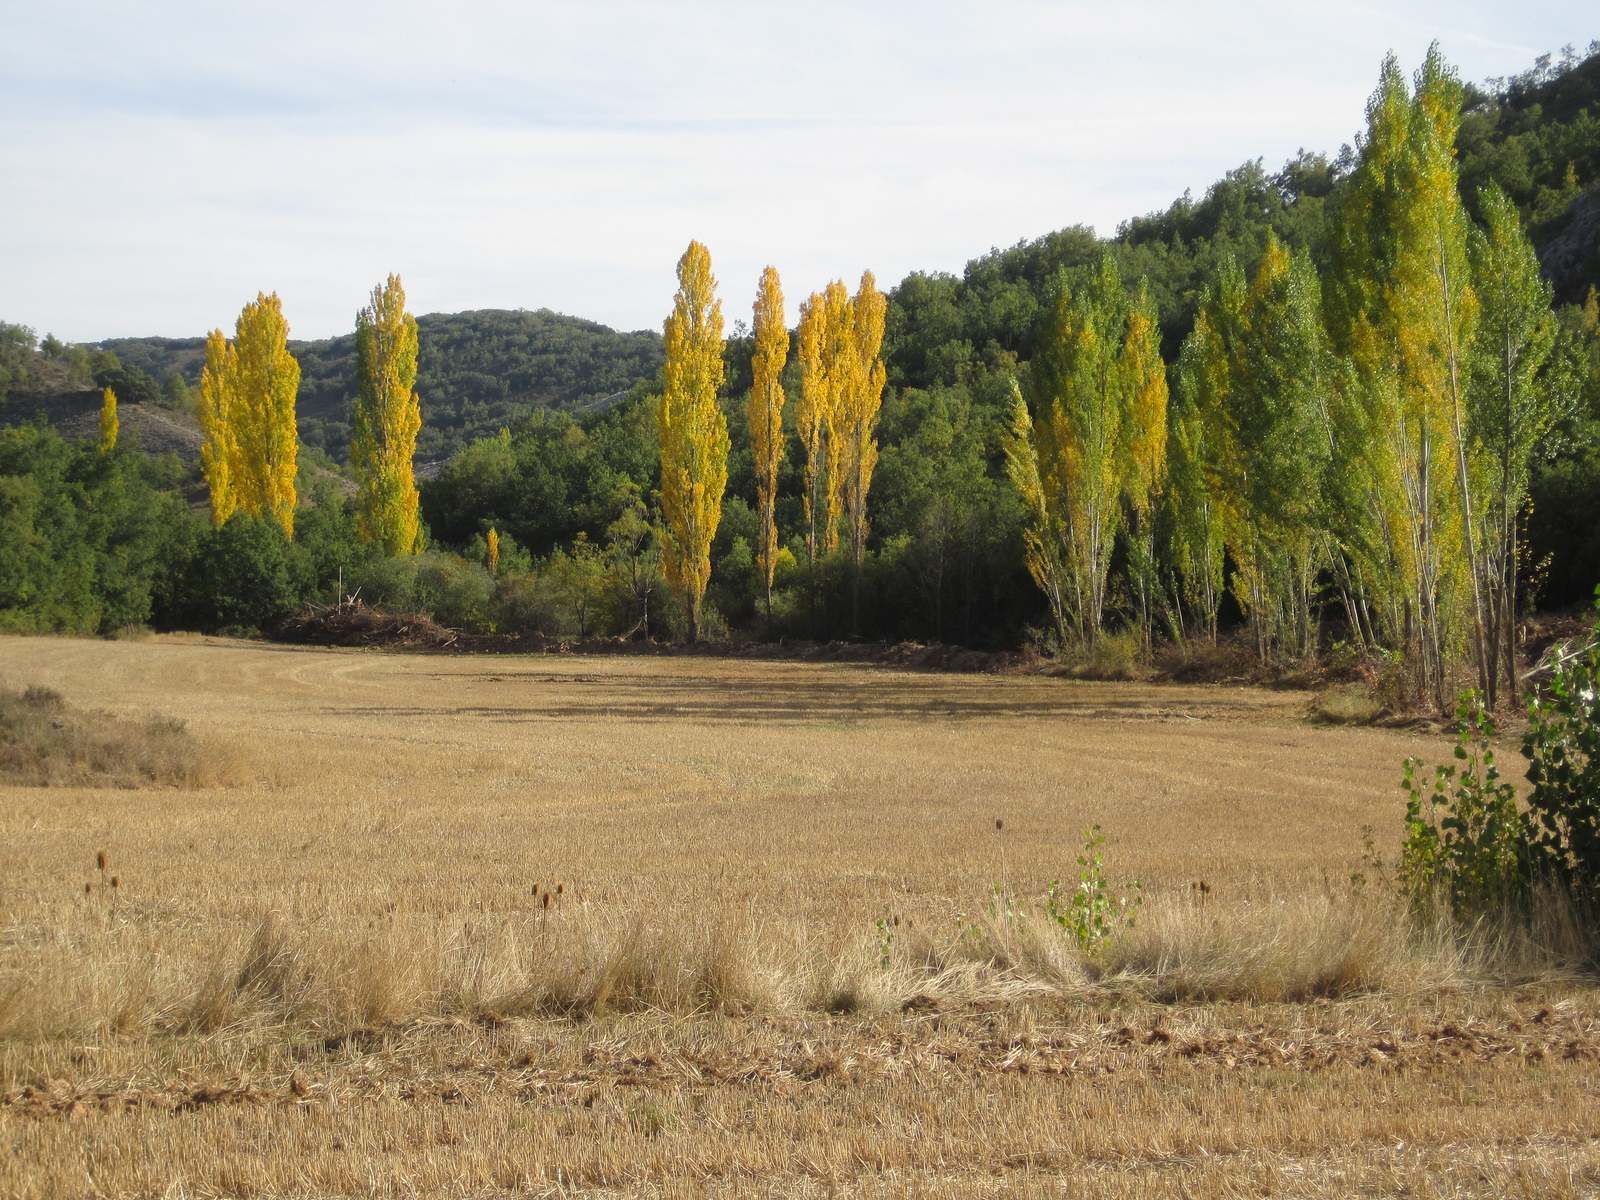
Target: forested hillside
x=548, y=512
x=1537, y=135
x=476, y=372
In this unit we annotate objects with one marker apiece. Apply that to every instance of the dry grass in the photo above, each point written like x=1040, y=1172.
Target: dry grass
x=1347, y=704
x=45, y=742
x=340, y=979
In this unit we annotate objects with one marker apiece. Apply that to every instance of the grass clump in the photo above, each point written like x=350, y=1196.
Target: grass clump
x=45, y=742
x=1346, y=704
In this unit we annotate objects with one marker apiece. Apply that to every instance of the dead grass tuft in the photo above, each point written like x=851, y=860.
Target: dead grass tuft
x=44, y=742
x=1346, y=704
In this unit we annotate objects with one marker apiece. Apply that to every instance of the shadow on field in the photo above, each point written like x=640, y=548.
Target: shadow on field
x=647, y=698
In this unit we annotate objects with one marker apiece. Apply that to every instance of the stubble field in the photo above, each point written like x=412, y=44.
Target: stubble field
x=792, y=945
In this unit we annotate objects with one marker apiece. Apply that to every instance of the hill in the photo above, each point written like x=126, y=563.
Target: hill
x=476, y=371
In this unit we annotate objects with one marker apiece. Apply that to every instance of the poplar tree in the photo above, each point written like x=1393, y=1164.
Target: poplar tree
x=1197, y=543
x=247, y=397
x=693, y=429
x=812, y=414
x=219, y=450
x=1401, y=310
x=1513, y=407
x=491, y=551
x=861, y=397
x=1043, y=538
x=387, y=418
x=1144, y=380
x=765, y=416
x=1080, y=402
x=841, y=368
x=108, y=422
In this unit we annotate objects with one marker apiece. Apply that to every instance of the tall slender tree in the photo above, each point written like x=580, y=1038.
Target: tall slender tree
x=693, y=430
x=1043, y=538
x=1080, y=402
x=1144, y=379
x=861, y=397
x=109, y=424
x=219, y=449
x=265, y=379
x=813, y=414
x=387, y=419
x=1513, y=405
x=1401, y=311
x=841, y=368
x=765, y=416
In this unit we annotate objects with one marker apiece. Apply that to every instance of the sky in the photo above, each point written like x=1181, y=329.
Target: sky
x=160, y=164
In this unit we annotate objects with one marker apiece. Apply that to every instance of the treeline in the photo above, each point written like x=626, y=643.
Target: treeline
x=1334, y=404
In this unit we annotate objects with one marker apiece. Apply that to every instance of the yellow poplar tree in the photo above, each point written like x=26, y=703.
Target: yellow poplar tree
x=491, y=551
x=765, y=413
x=268, y=379
x=1144, y=376
x=247, y=395
x=108, y=422
x=812, y=412
x=859, y=405
x=219, y=451
x=860, y=398
x=840, y=368
x=383, y=439
x=694, y=431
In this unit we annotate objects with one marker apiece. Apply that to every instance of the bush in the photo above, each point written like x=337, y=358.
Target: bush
x=44, y=742
x=1563, y=749
x=453, y=591
x=244, y=575
x=1466, y=842
x=1469, y=844
x=522, y=604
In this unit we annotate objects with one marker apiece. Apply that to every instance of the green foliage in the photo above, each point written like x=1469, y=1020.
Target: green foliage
x=244, y=575
x=88, y=541
x=476, y=372
x=1466, y=841
x=546, y=480
x=1563, y=749
x=1092, y=913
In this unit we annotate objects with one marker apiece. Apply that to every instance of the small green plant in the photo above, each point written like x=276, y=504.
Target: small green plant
x=1090, y=913
x=885, y=927
x=1466, y=841
x=1563, y=749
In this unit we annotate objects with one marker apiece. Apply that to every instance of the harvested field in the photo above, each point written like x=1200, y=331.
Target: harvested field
x=792, y=945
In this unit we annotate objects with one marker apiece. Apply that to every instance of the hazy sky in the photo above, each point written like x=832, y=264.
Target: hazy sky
x=161, y=163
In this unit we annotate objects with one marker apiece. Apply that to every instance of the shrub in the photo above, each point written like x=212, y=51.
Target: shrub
x=453, y=591
x=1091, y=913
x=1466, y=841
x=45, y=742
x=1563, y=749
x=244, y=575
x=1111, y=656
x=522, y=604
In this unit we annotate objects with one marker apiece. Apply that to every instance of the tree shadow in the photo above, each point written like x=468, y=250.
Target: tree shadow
x=639, y=698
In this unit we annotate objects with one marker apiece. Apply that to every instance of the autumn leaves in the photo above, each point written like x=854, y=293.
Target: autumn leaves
x=841, y=388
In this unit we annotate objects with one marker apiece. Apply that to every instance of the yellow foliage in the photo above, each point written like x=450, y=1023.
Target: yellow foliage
x=388, y=417
x=247, y=396
x=491, y=554
x=861, y=396
x=108, y=422
x=812, y=413
x=694, y=431
x=765, y=414
x=219, y=452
